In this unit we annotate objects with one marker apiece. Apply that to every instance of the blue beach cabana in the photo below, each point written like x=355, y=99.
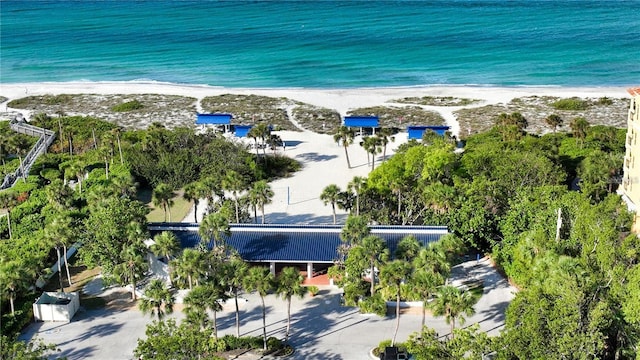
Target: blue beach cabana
x=361, y=122
x=417, y=131
x=241, y=130
x=214, y=119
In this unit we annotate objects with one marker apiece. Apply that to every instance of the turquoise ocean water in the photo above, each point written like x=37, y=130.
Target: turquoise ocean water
x=323, y=44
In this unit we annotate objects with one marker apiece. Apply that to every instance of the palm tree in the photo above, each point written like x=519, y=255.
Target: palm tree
x=235, y=183
x=59, y=233
x=116, y=132
x=191, y=265
x=158, y=299
x=201, y=298
x=212, y=228
x=260, y=280
x=408, y=248
x=553, y=121
x=345, y=136
x=374, y=249
x=579, y=127
x=77, y=169
x=132, y=267
x=163, y=196
x=392, y=277
x=253, y=133
x=371, y=145
x=357, y=185
x=452, y=303
x=289, y=284
x=385, y=135
x=263, y=195
x=234, y=271
x=423, y=284
x=14, y=278
x=263, y=131
x=355, y=229
x=194, y=192
x=7, y=201
x=166, y=244
x=330, y=195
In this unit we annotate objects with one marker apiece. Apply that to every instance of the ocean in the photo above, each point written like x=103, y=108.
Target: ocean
x=323, y=44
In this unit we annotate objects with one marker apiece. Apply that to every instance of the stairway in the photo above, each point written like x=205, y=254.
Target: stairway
x=45, y=139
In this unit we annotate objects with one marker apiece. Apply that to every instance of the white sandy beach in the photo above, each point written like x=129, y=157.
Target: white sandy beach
x=297, y=198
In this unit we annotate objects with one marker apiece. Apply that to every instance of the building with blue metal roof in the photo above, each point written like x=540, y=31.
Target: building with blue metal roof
x=417, y=131
x=294, y=244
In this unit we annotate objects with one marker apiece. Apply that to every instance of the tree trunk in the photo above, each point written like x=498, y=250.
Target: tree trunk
x=66, y=264
x=106, y=167
x=357, y=204
x=373, y=278
x=120, y=149
x=195, y=211
x=255, y=214
x=262, y=209
x=347, y=155
x=215, y=325
x=13, y=310
x=59, y=269
x=373, y=161
x=190, y=283
x=333, y=206
x=395, y=333
x=424, y=312
x=286, y=334
x=264, y=324
x=24, y=176
x=235, y=293
x=133, y=287
x=9, y=222
x=237, y=211
x=95, y=142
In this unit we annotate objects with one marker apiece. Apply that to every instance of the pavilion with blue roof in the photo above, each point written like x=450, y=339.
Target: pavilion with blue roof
x=361, y=122
x=282, y=245
x=214, y=119
x=417, y=131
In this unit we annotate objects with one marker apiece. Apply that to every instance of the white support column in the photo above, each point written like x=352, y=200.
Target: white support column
x=309, y=270
x=272, y=268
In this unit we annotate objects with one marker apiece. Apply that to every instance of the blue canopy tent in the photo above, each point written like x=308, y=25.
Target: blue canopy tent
x=417, y=131
x=214, y=119
x=242, y=130
x=361, y=122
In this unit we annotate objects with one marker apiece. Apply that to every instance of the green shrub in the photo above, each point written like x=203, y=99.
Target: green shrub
x=274, y=344
x=247, y=342
x=127, y=106
x=605, y=101
x=573, y=103
x=373, y=305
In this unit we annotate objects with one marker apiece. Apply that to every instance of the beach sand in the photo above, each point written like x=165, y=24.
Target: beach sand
x=323, y=161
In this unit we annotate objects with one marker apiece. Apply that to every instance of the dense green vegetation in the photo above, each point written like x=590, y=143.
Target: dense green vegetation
x=84, y=190
x=565, y=243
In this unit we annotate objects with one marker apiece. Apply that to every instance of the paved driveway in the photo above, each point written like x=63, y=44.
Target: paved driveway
x=321, y=328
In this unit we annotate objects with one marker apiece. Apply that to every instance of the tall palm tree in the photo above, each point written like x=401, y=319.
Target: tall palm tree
x=392, y=277
x=262, y=131
x=194, y=192
x=7, y=201
x=163, y=196
x=263, y=193
x=423, y=284
x=189, y=266
x=553, y=120
x=213, y=227
x=260, y=280
x=452, y=303
x=201, y=298
x=579, y=127
x=234, y=272
x=234, y=183
x=331, y=195
x=166, y=244
x=289, y=284
x=132, y=267
x=77, y=169
x=357, y=185
x=371, y=145
x=386, y=136
x=355, y=229
x=408, y=248
x=374, y=249
x=59, y=233
x=344, y=136
x=158, y=299
x=14, y=278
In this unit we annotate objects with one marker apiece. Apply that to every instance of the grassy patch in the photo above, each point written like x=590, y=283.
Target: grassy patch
x=317, y=119
x=436, y=101
x=127, y=106
x=394, y=116
x=573, y=103
x=179, y=210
